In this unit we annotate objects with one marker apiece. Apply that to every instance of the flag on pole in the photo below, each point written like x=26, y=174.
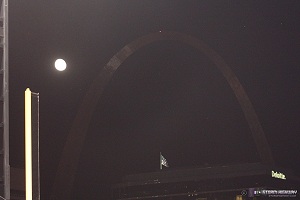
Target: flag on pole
x=163, y=161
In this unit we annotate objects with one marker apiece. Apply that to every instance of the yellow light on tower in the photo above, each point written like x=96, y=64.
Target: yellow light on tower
x=28, y=145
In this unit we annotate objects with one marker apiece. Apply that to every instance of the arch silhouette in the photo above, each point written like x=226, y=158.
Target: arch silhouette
x=65, y=175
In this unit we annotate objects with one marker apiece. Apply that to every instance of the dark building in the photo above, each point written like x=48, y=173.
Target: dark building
x=244, y=181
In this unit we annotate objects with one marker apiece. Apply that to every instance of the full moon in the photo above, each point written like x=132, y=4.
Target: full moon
x=60, y=64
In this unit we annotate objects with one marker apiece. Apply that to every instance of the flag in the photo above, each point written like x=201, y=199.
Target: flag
x=163, y=162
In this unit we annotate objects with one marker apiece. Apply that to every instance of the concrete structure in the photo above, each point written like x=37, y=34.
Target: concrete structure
x=4, y=104
x=71, y=153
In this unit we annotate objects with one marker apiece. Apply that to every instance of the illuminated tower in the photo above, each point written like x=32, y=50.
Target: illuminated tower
x=4, y=119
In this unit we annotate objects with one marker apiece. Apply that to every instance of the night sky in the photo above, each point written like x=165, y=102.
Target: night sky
x=167, y=96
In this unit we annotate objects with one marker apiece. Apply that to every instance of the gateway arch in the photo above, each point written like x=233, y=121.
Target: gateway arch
x=68, y=164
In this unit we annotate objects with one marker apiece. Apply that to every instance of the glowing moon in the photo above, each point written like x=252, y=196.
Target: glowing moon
x=60, y=64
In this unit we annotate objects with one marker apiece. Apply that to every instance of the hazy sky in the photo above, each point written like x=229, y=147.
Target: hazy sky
x=166, y=97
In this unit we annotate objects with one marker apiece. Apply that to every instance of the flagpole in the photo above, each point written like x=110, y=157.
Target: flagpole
x=160, y=163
